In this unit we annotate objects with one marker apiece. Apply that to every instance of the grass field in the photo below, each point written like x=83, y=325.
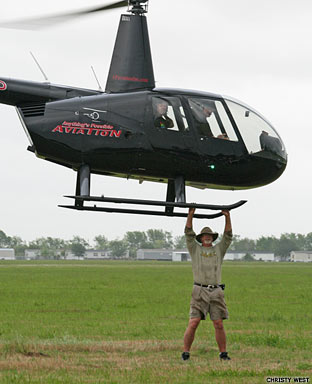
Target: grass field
x=123, y=322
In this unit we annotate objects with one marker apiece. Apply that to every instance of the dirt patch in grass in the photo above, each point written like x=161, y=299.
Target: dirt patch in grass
x=123, y=346
x=145, y=354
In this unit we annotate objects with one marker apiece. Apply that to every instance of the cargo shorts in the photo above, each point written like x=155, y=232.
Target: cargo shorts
x=207, y=300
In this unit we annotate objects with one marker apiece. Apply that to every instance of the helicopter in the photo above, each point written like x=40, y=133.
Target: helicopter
x=135, y=130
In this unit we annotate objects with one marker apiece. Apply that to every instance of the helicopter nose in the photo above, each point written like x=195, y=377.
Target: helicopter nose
x=272, y=145
x=260, y=139
x=270, y=163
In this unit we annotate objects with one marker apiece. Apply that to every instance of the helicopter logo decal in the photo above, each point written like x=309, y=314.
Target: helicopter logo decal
x=94, y=115
x=77, y=128
x=3, y=85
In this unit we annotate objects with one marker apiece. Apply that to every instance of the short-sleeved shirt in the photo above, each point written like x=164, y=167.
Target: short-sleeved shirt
x=207, y=261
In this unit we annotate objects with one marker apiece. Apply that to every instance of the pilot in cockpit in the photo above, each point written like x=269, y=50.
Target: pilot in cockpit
x=201, y=113
x=162, y=120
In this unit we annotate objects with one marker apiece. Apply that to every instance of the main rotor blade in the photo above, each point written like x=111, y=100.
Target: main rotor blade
x=46, y=21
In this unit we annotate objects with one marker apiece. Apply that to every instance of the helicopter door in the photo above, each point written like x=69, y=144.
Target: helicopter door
x=169, y=131
x=215, y=132
x=169, y=127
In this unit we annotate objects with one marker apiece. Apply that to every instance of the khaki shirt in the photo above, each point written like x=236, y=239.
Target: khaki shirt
x=206, y=261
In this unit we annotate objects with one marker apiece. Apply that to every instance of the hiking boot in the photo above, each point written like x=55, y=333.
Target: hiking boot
x=185, y=356
x=224, y=356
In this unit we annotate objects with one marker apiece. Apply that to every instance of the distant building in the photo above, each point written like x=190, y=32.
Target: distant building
x=31, y=254
x=234, y=255
x=263, y=256
x=7, y=254
x=301, y=256
x=163, y=254
x=259, y=256
x=154, y=254
x=95, y=254
x=69, y=255
x=181, y=255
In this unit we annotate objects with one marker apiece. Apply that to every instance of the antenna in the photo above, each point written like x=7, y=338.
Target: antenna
x=41, y=70
x=100, y=88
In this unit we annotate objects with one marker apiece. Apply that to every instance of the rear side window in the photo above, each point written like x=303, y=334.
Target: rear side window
x=168, y=113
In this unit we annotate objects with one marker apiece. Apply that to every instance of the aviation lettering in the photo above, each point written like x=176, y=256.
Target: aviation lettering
x=77, y=128
x=59, y=128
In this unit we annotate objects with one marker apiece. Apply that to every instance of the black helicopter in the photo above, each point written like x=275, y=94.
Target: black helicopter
x=134, y=130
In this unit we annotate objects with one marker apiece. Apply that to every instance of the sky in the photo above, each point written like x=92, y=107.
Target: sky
x=255, y=51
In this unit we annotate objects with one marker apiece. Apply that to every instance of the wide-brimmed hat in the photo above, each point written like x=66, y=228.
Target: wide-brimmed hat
x=207, y=231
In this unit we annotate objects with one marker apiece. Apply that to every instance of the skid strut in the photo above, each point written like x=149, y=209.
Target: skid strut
x=83, y=183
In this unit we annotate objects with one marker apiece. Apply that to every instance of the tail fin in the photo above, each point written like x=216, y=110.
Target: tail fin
x=131, y=67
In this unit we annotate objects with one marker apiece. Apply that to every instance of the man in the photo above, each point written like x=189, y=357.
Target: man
x=207, y=294
x=201, y=113
x=162, y=120
x=203, y=127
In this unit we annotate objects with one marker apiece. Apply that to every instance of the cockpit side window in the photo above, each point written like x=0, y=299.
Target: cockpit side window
x=211, y=119
x=168, y=113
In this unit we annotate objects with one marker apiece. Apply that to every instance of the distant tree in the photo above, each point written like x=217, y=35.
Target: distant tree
x=101, y=242
x=56, y=243
x=267, y=244
x=46, y=252
x=287, y=243
x=3, y=240
x=49, y=246
x=308, y=242
x=118, y=247
x=78, y=246
x=18, y=244
x=248, y=257
x=242, y=245
x=136, y=240
x=180, y=242
x=300, y=241
x=159, y=238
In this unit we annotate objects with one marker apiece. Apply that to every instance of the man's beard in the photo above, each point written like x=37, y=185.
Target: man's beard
x=207, y=242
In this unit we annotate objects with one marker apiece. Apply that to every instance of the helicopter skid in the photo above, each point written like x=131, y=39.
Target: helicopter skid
x=79, y=205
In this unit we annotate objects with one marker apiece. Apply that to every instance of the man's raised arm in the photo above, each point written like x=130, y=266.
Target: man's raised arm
x=189, y=221
x=189, y=233
x=228, y=224
x=227, y=235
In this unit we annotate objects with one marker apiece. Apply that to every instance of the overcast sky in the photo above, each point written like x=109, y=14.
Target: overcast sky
x=256, y=51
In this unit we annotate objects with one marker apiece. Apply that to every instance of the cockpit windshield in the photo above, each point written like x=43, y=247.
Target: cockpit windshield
x=232, y=120
x=256, y=132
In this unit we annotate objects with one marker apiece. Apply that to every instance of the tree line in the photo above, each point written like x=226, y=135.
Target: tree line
x=152, y=238
x=132, y=241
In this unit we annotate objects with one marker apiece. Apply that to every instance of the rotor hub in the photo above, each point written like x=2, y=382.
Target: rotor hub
x=137, y=7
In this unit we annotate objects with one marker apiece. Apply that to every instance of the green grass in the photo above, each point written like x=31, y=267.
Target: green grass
x=123, y=322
